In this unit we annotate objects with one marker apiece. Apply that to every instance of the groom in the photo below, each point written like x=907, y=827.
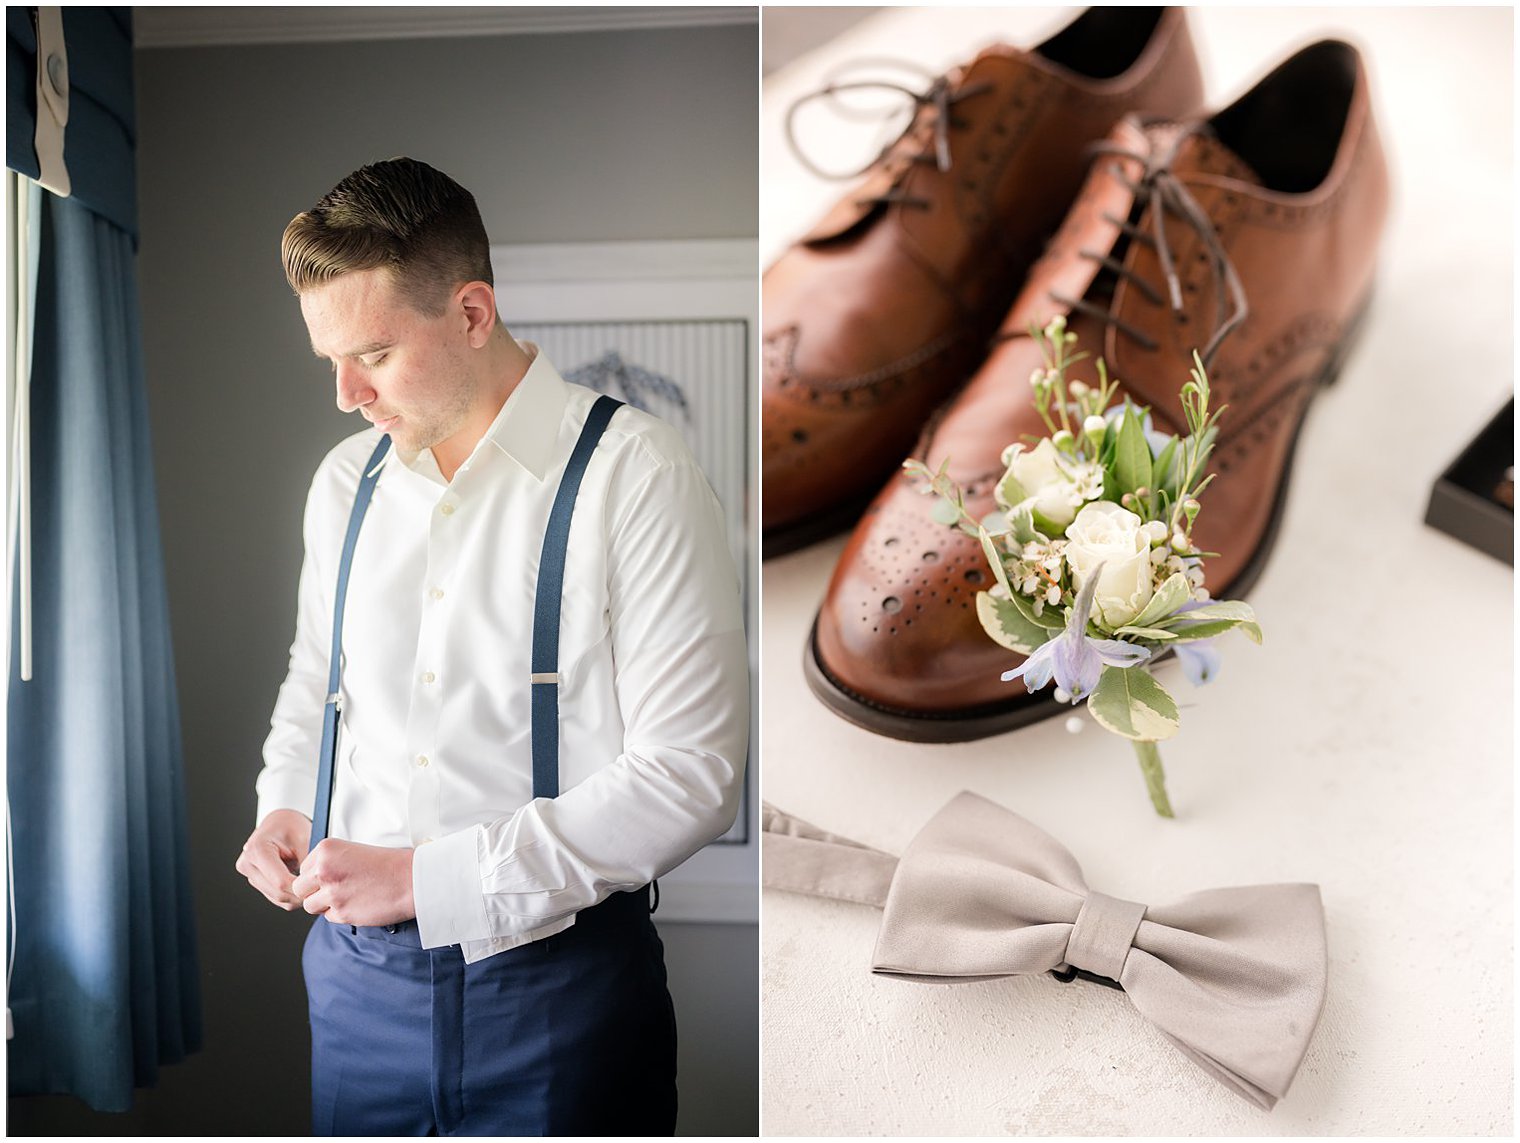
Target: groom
x=482, y=959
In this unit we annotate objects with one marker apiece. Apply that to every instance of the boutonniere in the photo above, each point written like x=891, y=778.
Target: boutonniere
x=1091, y=545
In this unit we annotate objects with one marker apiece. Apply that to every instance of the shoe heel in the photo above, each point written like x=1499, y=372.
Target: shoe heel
x=1347, y=344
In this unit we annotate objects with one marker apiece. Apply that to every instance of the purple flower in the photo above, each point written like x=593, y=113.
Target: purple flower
x=1074, y=658
x=1200, y=659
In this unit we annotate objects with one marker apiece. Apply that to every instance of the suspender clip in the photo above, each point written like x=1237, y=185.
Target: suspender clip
x=335, y=700
x=544, y=677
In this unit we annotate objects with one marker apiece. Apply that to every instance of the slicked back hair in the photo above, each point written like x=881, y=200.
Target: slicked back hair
x=402, y=215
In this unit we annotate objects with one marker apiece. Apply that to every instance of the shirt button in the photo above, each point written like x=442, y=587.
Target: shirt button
x=428, y=676
x=422, y=759
x=436, y=593
x=447, y=509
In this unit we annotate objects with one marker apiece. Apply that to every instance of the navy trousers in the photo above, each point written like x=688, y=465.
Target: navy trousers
x=570, y=1035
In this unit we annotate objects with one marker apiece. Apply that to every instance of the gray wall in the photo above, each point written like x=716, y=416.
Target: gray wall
x=584, y=137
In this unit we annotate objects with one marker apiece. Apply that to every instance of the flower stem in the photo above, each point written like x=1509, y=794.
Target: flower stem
x=1155, y=777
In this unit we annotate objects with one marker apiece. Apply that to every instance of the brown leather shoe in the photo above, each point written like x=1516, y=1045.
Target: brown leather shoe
x=1274, y=209
x=886, y=305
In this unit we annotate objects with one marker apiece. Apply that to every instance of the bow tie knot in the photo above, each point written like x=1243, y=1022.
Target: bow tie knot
x=1103, y=934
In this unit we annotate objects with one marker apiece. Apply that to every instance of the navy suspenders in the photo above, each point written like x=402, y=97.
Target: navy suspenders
x=546, y=603
x=546, y=613
x=333, y=707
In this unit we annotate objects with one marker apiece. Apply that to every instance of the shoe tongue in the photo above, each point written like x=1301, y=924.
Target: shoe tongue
x=1200, y=153
x=997, y=55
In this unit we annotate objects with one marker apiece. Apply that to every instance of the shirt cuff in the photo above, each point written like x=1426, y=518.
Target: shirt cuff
x=451, y=907
x=286, y=791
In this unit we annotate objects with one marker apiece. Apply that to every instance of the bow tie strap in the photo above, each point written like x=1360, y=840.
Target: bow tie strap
x=801, y=858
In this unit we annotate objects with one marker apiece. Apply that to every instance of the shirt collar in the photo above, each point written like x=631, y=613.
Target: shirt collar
x=527, y=426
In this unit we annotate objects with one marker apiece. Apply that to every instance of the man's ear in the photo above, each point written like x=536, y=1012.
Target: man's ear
x=478, y=302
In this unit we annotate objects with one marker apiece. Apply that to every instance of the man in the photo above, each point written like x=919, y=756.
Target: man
x=483, y=960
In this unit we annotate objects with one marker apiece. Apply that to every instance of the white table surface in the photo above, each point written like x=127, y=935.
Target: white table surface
x=1368, y=746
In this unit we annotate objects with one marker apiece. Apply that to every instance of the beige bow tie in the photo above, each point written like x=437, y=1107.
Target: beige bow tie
x=1233, y=977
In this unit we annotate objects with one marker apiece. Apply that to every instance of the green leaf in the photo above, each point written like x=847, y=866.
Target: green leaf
x=1110, y=443
x=1007, y=625
x=996, y=524
x=1046, y=525
x=1050, y=618
x=1009, y=491
x=994, y=558
x=944, y=512
x=1162, y=475
x=1132, y=454
x=1232, y=612
x=1147, y=633
x=1168, y=598
x=1205, y=630
x=1022, y=520
x=1128, y=702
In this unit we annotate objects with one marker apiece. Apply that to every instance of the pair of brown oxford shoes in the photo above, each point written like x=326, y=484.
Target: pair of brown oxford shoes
x=1077, y=178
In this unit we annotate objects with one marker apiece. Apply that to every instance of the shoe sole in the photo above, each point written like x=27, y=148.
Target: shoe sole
x=1001, y=717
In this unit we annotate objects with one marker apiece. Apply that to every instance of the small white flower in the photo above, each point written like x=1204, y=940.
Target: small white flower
x=1095, y=426
x=1062, y=439
x=1179, y=542
x=1053, y=594
x=1078, y=389
x=1156, y=531
x=1201, y=594
x=1158, y=556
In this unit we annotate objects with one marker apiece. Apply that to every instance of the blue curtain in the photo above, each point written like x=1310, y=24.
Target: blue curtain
x=102, y=124
x=106, y=975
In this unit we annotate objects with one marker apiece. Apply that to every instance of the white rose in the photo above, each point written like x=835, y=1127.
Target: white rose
x=1048, y=489
x=1104, y=533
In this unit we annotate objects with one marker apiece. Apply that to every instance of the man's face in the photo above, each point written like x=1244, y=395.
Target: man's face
x=405, y=372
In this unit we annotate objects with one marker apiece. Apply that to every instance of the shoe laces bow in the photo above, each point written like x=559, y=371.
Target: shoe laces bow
x=1160, y=187
x=941, y=95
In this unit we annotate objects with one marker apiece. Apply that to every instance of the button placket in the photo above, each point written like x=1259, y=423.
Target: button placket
x=425, y=776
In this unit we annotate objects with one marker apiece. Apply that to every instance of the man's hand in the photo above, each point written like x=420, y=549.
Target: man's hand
x=273, y=853
x=353, y=884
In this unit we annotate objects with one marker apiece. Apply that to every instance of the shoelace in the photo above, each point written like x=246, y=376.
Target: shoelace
x=938, y=95
x=1161, y=188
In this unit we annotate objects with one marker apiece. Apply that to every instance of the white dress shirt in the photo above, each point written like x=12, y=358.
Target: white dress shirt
x=434, y=746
